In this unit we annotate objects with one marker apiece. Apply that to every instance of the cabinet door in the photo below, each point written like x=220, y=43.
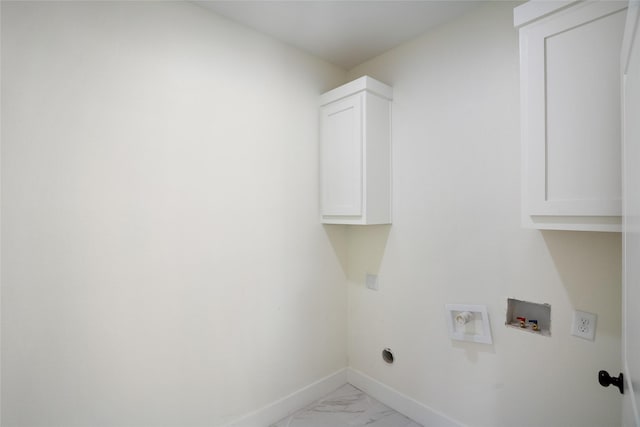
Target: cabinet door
x=341, y=157
x=571, y=112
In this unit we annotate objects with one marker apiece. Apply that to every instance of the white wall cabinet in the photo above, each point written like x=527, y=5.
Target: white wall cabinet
x=570, y=106
x=355, y=153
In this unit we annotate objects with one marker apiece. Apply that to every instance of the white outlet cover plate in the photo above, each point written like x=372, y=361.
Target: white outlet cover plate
x=584, y=325
x=371, y=281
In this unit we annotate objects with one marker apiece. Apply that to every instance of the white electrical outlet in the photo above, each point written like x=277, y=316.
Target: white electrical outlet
x=584, y=325
x=371, y=281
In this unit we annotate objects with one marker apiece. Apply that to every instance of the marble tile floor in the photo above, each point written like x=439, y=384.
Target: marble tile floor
x=346, y=407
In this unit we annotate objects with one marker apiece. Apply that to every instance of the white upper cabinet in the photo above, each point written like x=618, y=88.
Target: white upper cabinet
x=355, y=153
x=570, y=106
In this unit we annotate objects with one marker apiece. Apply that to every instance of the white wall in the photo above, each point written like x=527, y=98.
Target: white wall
x=456, y=238
x=162, y=262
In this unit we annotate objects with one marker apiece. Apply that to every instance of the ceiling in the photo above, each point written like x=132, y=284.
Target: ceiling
x=345, y=33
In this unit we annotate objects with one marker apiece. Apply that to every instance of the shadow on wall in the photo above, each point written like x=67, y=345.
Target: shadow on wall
x=337, y=235
x=590, y=266
x=366, y=248
x=359, y=248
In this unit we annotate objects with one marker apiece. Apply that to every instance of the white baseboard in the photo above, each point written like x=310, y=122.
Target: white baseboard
x=279, y=409
x=297, y=400
x=413, y=409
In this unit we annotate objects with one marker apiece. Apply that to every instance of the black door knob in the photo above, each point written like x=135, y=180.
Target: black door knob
x=606, y=380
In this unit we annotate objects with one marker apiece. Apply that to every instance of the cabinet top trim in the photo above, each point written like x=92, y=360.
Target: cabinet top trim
x=537, y=9
x=364, y=83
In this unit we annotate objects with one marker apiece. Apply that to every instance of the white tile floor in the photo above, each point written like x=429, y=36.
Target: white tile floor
x=346, y=407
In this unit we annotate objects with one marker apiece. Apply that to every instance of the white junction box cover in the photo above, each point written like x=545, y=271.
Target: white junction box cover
x=469, y=323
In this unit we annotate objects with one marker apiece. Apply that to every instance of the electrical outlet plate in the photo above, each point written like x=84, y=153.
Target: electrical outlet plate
x=371, y=281
x=584, y=325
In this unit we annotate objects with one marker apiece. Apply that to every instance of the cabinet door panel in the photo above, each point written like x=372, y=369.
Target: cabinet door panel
x=571, y=117
x=583, y=110
x=341, y=152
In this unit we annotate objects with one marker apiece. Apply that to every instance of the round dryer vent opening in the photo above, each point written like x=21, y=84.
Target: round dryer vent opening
x=387, y=355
